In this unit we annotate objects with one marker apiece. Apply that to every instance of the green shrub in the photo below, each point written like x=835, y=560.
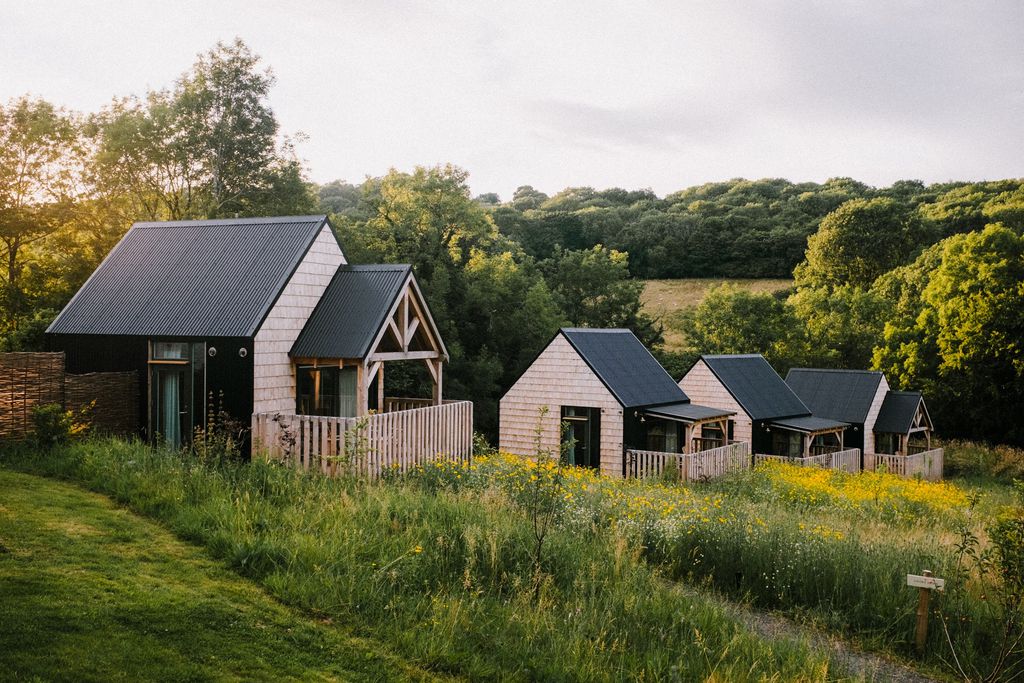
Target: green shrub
x=53, y=426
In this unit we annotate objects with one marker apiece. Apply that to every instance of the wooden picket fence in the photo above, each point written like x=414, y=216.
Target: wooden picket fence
x=370, y=445
x=847, y=460
x=688, y=466
x=927, y=465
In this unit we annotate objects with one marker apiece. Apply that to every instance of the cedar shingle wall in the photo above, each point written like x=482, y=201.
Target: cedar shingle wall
x=27, y=380
x=274, y=381
x=116, y=394
x=869, y=421
x=559, y=377
x=704, y=389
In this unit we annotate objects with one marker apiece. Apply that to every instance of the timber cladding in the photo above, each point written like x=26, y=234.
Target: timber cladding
x=28, y=380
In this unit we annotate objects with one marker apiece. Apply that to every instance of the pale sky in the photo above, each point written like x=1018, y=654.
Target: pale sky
x=629, y=94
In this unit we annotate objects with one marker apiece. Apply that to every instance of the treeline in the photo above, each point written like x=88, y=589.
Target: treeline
x=739, y=228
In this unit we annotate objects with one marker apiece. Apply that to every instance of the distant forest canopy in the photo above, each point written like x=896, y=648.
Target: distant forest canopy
x=924, y=282
x=737, y=228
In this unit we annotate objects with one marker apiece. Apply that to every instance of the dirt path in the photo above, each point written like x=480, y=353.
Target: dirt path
x=871, y=666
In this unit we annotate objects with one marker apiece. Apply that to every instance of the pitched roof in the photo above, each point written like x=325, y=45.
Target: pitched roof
x=625, y=366
x=837, y=394
x=351, y=311
x=756, y=386
x=216, y=278
x=897, y=413
x=809, y=424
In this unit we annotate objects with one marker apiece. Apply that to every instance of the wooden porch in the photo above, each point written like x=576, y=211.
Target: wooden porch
x=697, y=466
x=926, y=464
x=847, y=460
x=367, y=446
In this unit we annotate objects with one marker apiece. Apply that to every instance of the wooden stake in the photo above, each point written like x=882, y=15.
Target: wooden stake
x=921, y=634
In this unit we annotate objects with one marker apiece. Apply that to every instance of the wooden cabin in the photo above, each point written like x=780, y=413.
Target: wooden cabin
x=611, y=394
x=904, y=426
x=881, y=420
x=259, y=315
x=852, y=396
x=768, y=415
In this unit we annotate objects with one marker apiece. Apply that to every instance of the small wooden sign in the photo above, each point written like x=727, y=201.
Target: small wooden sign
x=929, y=582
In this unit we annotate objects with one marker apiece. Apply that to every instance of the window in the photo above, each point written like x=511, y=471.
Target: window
x=581, y=436
x=662, y=436
x=170, y=351
x=328, y=391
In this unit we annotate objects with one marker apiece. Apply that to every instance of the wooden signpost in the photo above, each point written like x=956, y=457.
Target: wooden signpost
x=926, y=584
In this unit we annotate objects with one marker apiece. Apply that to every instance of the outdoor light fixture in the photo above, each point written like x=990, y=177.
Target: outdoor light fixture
x=212, y=351
x=243, y=352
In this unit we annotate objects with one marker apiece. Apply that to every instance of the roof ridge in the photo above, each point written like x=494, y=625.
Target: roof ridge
x=849, y=370
x=216, y=222
x=598, y=329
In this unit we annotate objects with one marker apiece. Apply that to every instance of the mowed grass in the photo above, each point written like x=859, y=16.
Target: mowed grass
x=92, y=592
x=666, y=299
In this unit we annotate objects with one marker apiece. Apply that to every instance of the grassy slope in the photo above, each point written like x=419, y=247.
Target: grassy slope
x=91, y=592
x=465, y=603
x=667, y=298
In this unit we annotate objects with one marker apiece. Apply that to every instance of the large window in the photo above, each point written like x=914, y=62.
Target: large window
x=662, y=436
x=328, y=391
x=581, y=436
x=177, y=390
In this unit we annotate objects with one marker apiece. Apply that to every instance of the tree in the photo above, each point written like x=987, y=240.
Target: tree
x=964, y=347
x=488, y=299
x=206, y=149
x=734, y=320
x=593, y=289
x=39, y=157
x=859, y=241
x=526, y=198
x=841, y=326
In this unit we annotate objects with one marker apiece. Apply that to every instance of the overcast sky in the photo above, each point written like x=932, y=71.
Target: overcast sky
x=628, y=94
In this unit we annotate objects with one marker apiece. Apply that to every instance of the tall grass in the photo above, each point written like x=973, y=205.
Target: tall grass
x=444, y=574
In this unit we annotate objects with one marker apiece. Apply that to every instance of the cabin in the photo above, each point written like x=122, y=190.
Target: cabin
x=768, y=415
x=881, y=420
x=250, y=316
x=611, y=395
x=851, y=396
x=904, y=426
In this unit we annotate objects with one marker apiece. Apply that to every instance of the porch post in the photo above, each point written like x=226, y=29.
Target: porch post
x=687, y=436
x=807, y=444
x=438, y=382
x=380, y=388
x=362, y=401
x=725, y=432
x=841, y=433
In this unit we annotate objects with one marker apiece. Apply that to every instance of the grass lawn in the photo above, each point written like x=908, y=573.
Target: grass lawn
x=92, y=592
x=667, y=298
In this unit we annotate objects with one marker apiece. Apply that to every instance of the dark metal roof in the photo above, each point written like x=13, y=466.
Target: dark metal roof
x=687, y=412
x=351, y=312
x=837, y=394
x=809, y=424
x=897, y=413
x=625, y=366
x=216, y=278
x=756, y=386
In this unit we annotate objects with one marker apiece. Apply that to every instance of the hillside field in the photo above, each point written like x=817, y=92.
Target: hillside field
x=666, y=299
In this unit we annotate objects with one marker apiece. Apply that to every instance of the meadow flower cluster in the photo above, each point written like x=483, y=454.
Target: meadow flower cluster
x=875, y=493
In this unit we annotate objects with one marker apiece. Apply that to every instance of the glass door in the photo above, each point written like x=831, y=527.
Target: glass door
x=171, y=411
